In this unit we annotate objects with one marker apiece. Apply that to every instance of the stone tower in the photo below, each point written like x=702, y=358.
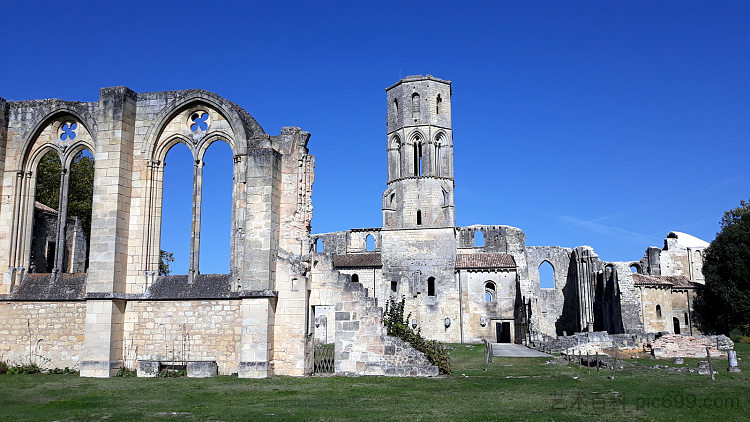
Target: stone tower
x=418, y=234
x=420, y=155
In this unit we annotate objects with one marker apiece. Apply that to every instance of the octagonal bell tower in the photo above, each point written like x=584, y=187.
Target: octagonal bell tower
x=420, y=155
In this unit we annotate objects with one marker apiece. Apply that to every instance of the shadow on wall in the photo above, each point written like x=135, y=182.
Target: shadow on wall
x=568, y=320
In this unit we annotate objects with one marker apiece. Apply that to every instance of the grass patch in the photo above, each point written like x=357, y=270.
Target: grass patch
x=511, y=389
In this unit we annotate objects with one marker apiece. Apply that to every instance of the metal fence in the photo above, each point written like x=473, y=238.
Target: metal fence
x=323, y=359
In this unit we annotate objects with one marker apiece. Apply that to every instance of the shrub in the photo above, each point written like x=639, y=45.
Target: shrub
x=3, y=367
x=126, y=373
x=398, y=326
x=65, y=370
x=31, y=368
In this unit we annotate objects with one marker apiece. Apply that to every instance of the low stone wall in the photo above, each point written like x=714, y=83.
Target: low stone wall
x=677, y=346
x=49, y=334
x=362, y=346
x=205, y=330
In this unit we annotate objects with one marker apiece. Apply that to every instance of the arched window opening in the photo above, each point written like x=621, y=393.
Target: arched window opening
x=394, y=286
x=438, y=103
x=546, y=275
x=676, y=325
x=431, y=286
x=319, y=245
x=697, y=257
x=489, y=291
x=658, y=311
x=634, y=269
x=370, y=242
x=417, y=156
x=686, y=319
x=392, y=199
x=419, y=217
x=395, y=106
x=177, y=204
x=79, y=203
x=478, y=239
x=415, y=105
x=355, y=278
x=216, y=209
x=45, y=220
x=446, y=198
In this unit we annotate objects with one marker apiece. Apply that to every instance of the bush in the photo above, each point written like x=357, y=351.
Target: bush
x=3, y=367
x=65, y=370
x=398, y=326
x=126, y=373
x=31, y=368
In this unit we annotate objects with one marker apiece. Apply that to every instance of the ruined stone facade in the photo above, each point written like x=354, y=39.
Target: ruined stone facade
x=286, y=290
x=465, y=284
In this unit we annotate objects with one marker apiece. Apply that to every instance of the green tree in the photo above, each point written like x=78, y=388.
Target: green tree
x=724, y=304
x=164, y=259
x=81, y=190
x=80, y=186
x=48, y=180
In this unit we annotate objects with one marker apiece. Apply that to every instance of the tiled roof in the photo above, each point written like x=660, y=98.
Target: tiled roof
x=485, y=260
x=357, y=260
x=662, y=280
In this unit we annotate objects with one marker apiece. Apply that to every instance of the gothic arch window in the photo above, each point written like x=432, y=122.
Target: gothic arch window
x=478, y=239
x=319, y=245
x=546, y=275
x=418, y=162
x=419, y=217
x=370, y=242
x=196, y=159
x=52, y=228
x=395, y=106
x=392, y=200
x=438, y=104
x=431, y=286
x=489, y=291
x=658, y=311
x=415, y=105
x=697, y=257
x=355, y=278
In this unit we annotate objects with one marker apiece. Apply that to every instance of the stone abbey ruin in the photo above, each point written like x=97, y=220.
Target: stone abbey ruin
x=97, y=301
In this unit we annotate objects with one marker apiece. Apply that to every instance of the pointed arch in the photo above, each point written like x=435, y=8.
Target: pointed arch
x=546, y=275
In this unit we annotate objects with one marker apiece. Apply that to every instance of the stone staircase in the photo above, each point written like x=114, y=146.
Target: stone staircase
x=362, y=346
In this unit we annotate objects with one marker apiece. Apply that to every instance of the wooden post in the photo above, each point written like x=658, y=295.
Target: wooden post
x=710, y=368
x=580, y=363
x=588, y=362
x=614, y=363
x=597, y=362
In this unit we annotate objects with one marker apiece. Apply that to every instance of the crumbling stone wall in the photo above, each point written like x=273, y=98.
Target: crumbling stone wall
x=552, y=310
x=50, y=334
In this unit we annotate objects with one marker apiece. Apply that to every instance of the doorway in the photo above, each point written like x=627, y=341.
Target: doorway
x=502, y=331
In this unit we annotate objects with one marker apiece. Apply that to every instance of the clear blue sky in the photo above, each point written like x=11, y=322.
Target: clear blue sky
x=600, y=123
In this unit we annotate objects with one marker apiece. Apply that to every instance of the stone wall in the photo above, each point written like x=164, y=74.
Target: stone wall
x=59, y=326
x=189, y=330
x=476, y=307
x=411, y=258
x=552, y=307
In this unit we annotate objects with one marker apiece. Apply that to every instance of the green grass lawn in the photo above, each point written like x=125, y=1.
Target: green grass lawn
x=511, y=389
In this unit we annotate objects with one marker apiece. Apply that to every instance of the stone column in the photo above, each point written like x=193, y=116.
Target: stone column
x=62, y=220
x=261, y=224
x=105, y=284
x=195, y=242
x=257, y=337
